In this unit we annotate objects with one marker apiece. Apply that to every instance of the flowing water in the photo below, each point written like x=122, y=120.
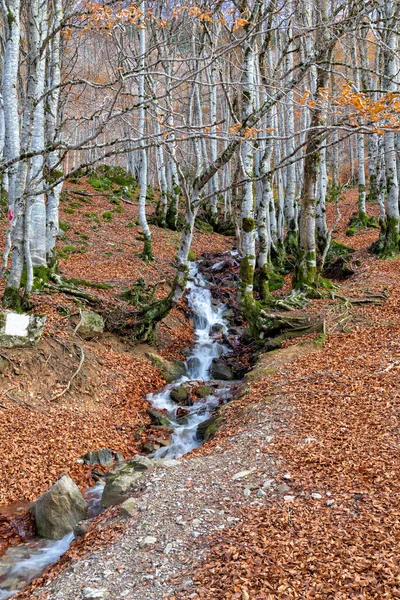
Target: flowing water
x=209, y=325
x=20, y=564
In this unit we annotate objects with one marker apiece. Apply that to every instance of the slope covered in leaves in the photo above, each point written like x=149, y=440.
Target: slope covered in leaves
x=335, y=419
x=40, y=437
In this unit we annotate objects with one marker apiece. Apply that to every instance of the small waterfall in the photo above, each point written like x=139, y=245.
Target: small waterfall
x=209, y=324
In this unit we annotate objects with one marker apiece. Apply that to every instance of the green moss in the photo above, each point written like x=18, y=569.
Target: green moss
x=70, y=249
x=12, y=299
x=84, y=283
x=203, y=226
x=107, y=216
x=248, y=224
x=191, y=256
x=69, y=211
x=75, y=205
x=64, y=226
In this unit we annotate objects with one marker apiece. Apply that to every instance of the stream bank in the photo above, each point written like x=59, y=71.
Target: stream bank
x=190, y=423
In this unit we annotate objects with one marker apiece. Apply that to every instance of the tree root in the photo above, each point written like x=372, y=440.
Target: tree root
x=68, y=386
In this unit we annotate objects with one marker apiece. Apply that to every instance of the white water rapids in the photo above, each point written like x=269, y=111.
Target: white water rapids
x=20, y=564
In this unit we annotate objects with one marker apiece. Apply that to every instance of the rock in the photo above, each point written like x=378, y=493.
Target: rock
x=207, y=429
x=288, y=498
x=203, y=391
x=20, y=330
x=287, y=476
x=129, y=507
x=158, y=418
x=217, y=328
x=283, y=488
x=59, y=509
x=3, y=365
x=179, y=394
x=316, y=496
x=330, y=502
x=149, y=541
x=242, y=474
x=91, y=325
x=170, y=370
x=104, y=457
x=119, y=483
x=221, y=371
x=246, y=493
x=81, y=529
x=260, y=493
x=95, y=593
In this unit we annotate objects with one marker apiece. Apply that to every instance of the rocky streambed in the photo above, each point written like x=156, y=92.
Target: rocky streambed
x=187, y=412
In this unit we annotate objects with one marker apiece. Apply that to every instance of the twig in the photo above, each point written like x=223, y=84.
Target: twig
x=65, y=390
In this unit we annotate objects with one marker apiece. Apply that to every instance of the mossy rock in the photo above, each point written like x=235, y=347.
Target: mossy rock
x=203, y=391
x=91, y=325
x=179, y=394
x=158, y=418
x=170, y=370
x=207, y=429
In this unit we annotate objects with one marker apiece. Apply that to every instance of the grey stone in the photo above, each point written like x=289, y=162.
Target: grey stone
x=104, y=457
x=95, y=593
x=221, y=371
x=129, y=507
x=91, y=325
x=260, y=493
x=207, y=429
x=170, y=370
x=330, y=502
x=81, y=529
x=149, y=541
x=288, y=498
x=179, y=394
x=158, y=418
x=316, y=496
x=246, y=493
x=242, y=474
x=20, y=330
x=119, y=483
x=283, y=488
x=59, y=509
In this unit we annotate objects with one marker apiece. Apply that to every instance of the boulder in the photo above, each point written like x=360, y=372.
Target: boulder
x=91, y=325
x=59, y=509
x=207, y=429
x=170, y=370
x=20, y=330
x=129, y=508
x=221, y=371
x=179, y=394
x=119, y=483
x=158, y=418
x=203, y=391
x=104, y=457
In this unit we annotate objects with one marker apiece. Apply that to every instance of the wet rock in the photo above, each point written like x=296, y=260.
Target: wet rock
x=170, y=370
x=119, y=483
x=207, y=429
x=217, y=328
x=203, y=391
x=20, y=330
x=158, y=418
x=220, y=370
x=179, y=394
x=141, y=463
x=104, y=457
x=91, y=325
x=59, y=509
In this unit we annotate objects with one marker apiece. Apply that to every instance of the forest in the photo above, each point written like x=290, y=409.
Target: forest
x=200, y=235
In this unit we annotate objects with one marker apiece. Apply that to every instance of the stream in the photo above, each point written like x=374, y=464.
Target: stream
x=22, y=563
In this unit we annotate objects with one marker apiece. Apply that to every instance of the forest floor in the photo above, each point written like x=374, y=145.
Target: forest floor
x=296, y=496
